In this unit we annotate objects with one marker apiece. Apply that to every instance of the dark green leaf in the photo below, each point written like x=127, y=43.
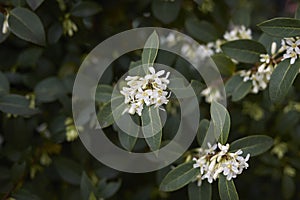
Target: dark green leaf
x=221, y=120
x=34, y=4
x=86, y=186
x=17, y=105
x=254, y=145
x=69, y=170
x=55, y=32
x=282, y=79
x=202, y=130
x=26, y=25
x=166, y=11
x=103, y=93
x=4, y=85
x=246, y=51
x=152, y=127
x=107, y=116
x=224, y=64
x=25, y=195
x=85, y=9
x=232, y=83
x=288, y=187
x=281, y=27
x=179, y=177
x=241, y=90
x=227, y=189
x=49, y=89
x=201, y=30
x=107, y=190
x=150, y=51
x=30, y=56
x=204, y=192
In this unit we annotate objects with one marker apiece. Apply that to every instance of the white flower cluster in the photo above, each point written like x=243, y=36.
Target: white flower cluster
x=260, y=77
x=238, y=32
x=211, y=93
x=149, y=90
x=291, y=46
x=212, y=163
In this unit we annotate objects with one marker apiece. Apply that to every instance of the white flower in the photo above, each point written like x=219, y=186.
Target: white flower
x=290, y=54
x=238, y=32
x=5, y=26
x=222, y=161
x=149, y=90
x=291, y=46
x=210, y=94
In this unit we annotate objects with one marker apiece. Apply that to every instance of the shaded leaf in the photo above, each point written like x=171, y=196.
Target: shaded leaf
x=282, y=79
x=103, y=93
x=202, y=130
x=281, y=27
x=86, y=186
x=107, y=190
x=241, y=90
x=152, y=127
x=150, y=51
x=221, y=120
x=4, y=85
x=179, y=177
x=201, y=30
x=26, y=25
x=224, y=64
x=227, y=189
x=204, y=192
x=34, y=4
x=288, y=187
x=166, y=11
x=246, y=51
x=69, y=170
x=254, y=145
x=85, y=9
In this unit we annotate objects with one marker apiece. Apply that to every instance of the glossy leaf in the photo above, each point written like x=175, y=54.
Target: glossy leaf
x=227, y=189
x=201, y=30
x=221, y=121
x=281, y=27
x=152, y=127
x=49, y=89
x=107, y=116
x=246, y=51
x=179, y=177
x=150, y=51
x=34, y=4
x=17, y=105
x=224, y=64
x=26, y=25
x=103, y=93
x=166, y=11
x=254, y=145
x=202, y=130
x=85, y=9
x=282, y=79
x=203, y=192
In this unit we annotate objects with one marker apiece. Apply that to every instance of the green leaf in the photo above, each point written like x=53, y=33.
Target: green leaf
x=197, y=87
x=85, y=9
x=4, y=85
x=136, y=68
x=30, y=56
x=224, y=64
x=126, y=140
x=179, y=177
x=201, y=30
x=166, y=11
x=150, y=51
x=204, y=192
x=54, y=33
x=241, y=90
x=281, y=27
x=69, y=170
x=86, y=186
x=103, y=93
x=242, y=15
x=246, y=51
x=49, y=89
x=254, y=145
x=26, y=25
x=152, y=127
x=34, y=4
x=23, y=194
x=17, y=105
x=107, y=190
x=221, y=120
x=227, y=189
x=232, y=83
x=282, y=79
x=202, y=130
x=107, y=116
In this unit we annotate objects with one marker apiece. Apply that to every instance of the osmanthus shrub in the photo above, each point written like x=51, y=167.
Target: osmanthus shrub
x=248, y=149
